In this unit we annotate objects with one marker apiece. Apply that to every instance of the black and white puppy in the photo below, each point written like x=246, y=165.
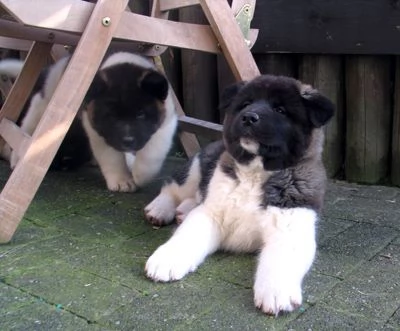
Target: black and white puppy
x=261, y=189
x=128, y=118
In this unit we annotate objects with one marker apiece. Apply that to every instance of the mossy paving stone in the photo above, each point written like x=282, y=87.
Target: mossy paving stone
x=82, y=293
x=101, y=229
x=329, y=319
x=328, y=228
x=22, y=311
x=26, y=233
x=379, y=211
x=180, y=304
x=43, y=252
x=340, y=255
x=345, y=190
x=373, y=289
x=12, y=299
x=43, y=317
x=394, y=321
x=316, y=285
x=239, y=313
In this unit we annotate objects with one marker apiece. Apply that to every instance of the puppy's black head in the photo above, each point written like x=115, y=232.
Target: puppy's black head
x=126, y=105
x=272, y=117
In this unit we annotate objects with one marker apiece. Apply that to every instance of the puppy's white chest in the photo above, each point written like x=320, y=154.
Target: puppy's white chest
x=235, y=204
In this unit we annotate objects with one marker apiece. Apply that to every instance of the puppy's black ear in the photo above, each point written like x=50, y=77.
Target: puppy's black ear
x=155, y=84
x=320, y=108
x=97, y=88
x=229, y=93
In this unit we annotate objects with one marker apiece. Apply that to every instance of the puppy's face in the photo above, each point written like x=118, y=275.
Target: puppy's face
x=126, y=105
x=272, y=117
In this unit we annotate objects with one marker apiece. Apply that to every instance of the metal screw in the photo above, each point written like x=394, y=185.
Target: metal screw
x=106, y=21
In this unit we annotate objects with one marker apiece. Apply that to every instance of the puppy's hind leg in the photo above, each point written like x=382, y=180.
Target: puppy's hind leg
x=196, y=238
x=176, y=193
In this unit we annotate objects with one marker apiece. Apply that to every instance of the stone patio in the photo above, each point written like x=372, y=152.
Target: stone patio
x=76, y=263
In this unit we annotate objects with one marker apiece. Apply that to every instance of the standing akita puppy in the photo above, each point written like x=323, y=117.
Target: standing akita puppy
x=128, y=113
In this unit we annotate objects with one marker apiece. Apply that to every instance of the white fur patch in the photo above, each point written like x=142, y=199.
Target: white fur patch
x=195, y=238
x=249, y=145
x=11, y=67
x=125, y=57
x=162, y=209
x=286, y=256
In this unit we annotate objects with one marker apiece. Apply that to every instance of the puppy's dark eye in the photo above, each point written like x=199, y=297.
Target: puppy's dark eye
x=245, y=104
x=280, y=109
x=141, y=115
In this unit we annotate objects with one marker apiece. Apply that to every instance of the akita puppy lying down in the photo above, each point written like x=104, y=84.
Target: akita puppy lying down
x=127, y=120
x=260, y=189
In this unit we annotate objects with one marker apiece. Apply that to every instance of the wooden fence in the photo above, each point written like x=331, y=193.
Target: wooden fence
x=346, y=49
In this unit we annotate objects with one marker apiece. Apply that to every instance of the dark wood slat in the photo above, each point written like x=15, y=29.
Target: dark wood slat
x=207, y=129
x=337, y=27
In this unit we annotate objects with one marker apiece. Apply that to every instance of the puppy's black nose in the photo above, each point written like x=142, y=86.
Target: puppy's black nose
x=250, y=118
x=128, y=141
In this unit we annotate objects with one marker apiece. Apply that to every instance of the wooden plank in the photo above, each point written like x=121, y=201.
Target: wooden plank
x=188, y=140
x=277, y=64
x=5, y=87
x=72, y=16
x=58, y=116
x=18, y=31
x=24, y=83
x=199, y=75
x=11, y=43
x=14, y=136
x=325, y=73
x=176, y=4
x=203, y=128
x=368, y=122
x=230, y=38
x=328, y=27
x=395, y=169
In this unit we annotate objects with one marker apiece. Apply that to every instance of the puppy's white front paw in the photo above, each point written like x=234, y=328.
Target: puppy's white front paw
x=276, y=294
x=120, y=183
x=169, y=262
x=161, y=210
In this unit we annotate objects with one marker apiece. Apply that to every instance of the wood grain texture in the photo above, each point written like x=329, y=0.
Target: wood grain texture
x=199, y=75
x=368, y=118
x=325, y=73
x=72, y=15
x=395, y=169
x=277, y=64
x=58, y=116
x=35, y=61
x=230, y=38
x=328, y=27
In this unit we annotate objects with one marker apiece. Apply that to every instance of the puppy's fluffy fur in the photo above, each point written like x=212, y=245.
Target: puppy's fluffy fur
x=261, y=189
x=128, y=114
